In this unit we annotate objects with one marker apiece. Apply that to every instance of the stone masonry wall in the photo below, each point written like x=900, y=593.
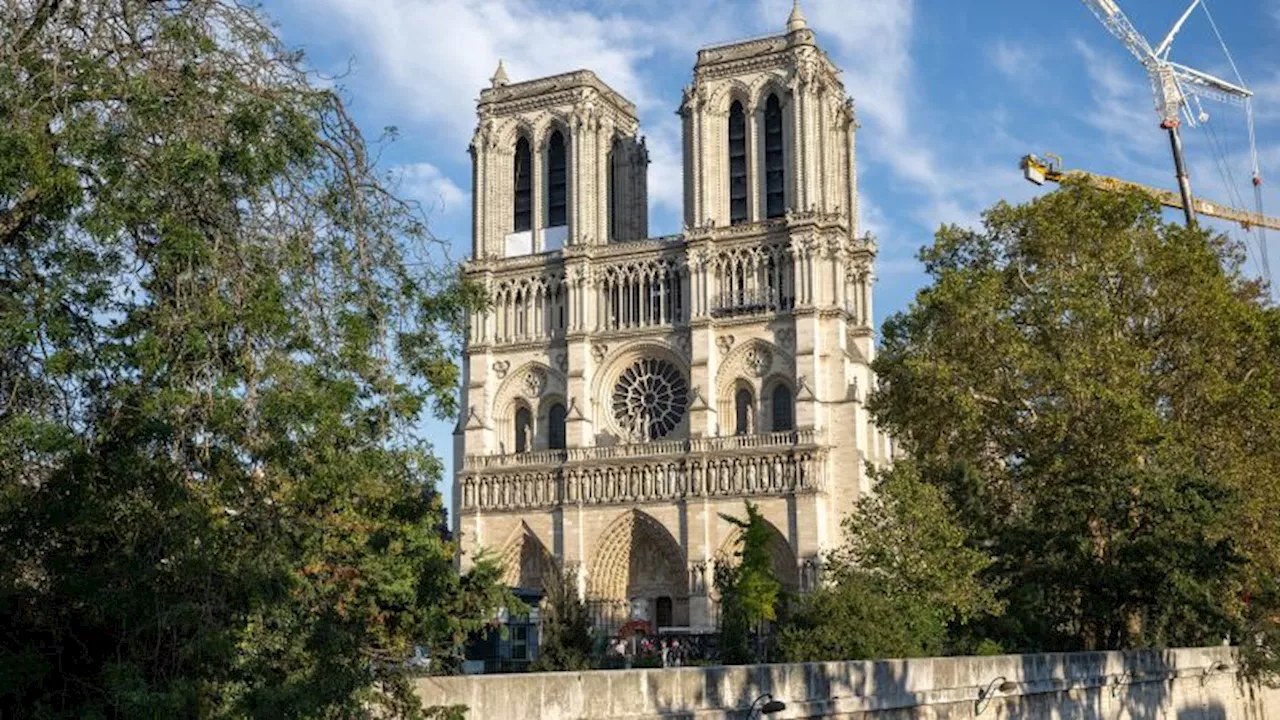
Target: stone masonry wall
x=1185, y=684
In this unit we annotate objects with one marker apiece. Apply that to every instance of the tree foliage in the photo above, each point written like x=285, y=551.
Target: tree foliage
x=218, y=329
x=565, y=639
x=905, y=577
x=750, y=592
x=1095, y=391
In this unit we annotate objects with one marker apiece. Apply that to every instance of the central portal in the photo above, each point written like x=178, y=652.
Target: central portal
x=638, y=573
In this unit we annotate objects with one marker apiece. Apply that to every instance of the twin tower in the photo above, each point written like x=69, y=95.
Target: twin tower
x=622, y=392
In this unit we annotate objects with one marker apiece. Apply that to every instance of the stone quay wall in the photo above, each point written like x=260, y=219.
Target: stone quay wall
x=1182, y=684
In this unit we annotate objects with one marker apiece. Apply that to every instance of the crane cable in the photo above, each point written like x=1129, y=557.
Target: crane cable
x=1253, y=146
x=1221, y=152
x=1257, y=191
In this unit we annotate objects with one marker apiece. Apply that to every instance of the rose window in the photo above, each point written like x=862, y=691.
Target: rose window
x=649, y=399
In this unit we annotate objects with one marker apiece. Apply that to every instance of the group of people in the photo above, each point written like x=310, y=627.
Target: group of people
x=672, y=652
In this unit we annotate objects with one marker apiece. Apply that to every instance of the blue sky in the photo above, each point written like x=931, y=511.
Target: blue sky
x=949, y=93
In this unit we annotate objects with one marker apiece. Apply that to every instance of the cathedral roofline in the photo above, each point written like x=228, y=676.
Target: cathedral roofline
x=576, y=79
x=728, y=58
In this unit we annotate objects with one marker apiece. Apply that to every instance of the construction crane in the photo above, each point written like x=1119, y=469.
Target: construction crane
x=1175, y=87
x=1049, y=168
x=1172, y=84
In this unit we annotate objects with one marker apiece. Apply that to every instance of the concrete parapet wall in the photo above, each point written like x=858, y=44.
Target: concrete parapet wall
x=1185, y=684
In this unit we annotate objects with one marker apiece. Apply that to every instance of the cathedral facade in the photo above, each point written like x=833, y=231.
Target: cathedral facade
x=622, y=393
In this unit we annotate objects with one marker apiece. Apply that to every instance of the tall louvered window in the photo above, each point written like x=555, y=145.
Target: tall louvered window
x=783, y=417
x=557, y=182
x=556, y=427
x=775, y=177
x=737, y=164
x=524, y=186
x=615, y=219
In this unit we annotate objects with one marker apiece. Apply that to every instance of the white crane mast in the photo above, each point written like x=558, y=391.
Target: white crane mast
x=1117, y=24
x=1171, y=82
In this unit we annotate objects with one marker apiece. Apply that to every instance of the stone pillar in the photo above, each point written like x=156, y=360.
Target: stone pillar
x=579, y=428
x=539, y=192
x=795, y=147
x=576, y=165
x=755, y=163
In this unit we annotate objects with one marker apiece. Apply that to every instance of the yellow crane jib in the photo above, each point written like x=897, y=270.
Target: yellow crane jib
x=1049, y=168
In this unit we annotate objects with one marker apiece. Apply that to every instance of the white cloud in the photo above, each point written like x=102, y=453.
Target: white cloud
x=666, y=168
x=425, y=183
x=1123, y=107
x=432, y=57
x=1016, y=61
x=435, y=55
x=1266, y=101
x=871, y=217
x=873, y=48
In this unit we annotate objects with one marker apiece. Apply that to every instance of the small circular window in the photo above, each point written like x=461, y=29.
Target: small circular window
x=649, y=399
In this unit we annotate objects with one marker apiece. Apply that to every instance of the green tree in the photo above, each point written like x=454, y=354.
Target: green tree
x=904, y=579
x=749, y=591
x=1096, y=391
x=219, y=328
x=565, y=639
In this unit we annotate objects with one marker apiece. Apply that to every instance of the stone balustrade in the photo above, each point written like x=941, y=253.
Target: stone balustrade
x=1182, y=684
x=767, y=464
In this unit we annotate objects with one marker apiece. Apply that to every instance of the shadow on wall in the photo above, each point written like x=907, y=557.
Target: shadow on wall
x=1138, y=686
x=1139, y=689
x=1186, y=684
x=815, y=689
x=1213, y=711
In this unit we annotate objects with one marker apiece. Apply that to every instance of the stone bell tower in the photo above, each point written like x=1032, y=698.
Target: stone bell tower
x=556, y=162
x=768, y=120
x=624, y=393
x=770, y=143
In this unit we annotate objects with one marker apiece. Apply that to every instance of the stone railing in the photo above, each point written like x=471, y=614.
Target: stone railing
x=764, y=441
x=526, y=459
x=777, y=463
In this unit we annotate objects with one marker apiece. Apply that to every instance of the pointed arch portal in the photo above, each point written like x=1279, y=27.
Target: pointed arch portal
x=526, y=562
x=785, y=567
x=638, y=569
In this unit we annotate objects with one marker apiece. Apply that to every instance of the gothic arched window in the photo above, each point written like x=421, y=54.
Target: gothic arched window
x=775, y=176
x=524, y=186
x=557, y=182
x=737, y=164
x=555, y=427
x=649, y=399
x=783, y=417
x=524, y=430
x=615, y=214
x=742, y=412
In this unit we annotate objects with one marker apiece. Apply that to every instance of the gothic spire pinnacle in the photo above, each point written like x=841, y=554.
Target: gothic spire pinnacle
x=796, y=20
x=500, y=75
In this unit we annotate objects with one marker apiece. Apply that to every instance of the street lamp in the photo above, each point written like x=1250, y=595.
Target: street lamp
x=770, y=706
x=1220, y=667
x=984, y=695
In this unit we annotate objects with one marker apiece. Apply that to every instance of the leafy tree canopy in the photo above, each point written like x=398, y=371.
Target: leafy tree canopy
x=904, y=579
x=750, y=592
x=565, y=641
x=1095, y=391
x=219, y=327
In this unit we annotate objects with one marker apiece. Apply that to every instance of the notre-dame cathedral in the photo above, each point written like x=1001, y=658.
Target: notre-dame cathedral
x=622, y=391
